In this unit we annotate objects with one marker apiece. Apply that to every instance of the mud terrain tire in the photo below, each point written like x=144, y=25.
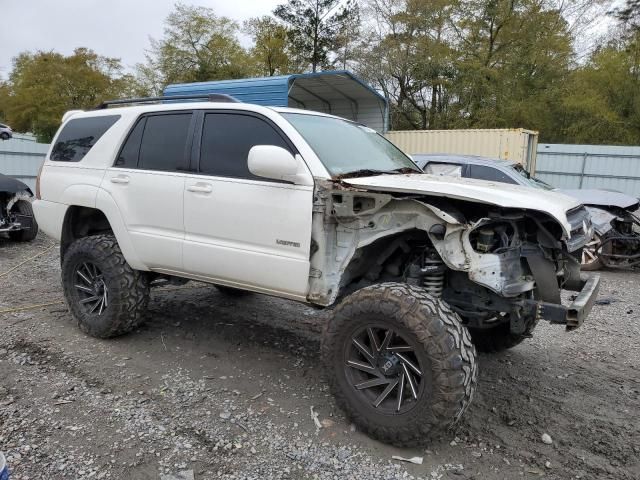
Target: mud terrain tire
x=128, y=289
x=442, y=347
x=24, y=207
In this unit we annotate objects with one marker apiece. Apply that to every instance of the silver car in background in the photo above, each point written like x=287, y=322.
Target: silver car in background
x=614, y=215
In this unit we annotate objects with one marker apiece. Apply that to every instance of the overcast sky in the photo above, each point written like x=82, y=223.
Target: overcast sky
x=114, y=28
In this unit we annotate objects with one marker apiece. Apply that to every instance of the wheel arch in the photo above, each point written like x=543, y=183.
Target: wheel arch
x=82, y=221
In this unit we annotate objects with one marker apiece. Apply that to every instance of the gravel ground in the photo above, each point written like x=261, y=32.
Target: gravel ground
x=223, y=387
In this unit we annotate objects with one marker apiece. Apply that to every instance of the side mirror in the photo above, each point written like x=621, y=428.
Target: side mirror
x=273, y=162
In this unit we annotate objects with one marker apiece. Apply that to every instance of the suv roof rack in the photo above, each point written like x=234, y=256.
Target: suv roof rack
x=210, y=97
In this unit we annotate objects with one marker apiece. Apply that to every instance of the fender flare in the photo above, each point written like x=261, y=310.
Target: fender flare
x=107, y=205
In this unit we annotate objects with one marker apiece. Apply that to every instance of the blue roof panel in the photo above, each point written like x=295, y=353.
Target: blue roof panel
x=268, y=91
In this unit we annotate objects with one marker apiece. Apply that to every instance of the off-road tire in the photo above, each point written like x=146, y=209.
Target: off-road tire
x=128, y=288
x=232, y=292
x=23, y=207
x=497, y=339
x=452, y=370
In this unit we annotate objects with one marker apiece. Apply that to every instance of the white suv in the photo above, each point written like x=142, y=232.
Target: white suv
x=422, y=270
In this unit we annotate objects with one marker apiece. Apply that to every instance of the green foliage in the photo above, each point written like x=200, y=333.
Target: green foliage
x=602, y=103
x=272, y=50
x=197, y=46
x=314, y=27
x=44, y=85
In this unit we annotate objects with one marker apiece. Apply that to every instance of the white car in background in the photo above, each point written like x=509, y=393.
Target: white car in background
x=5, y=132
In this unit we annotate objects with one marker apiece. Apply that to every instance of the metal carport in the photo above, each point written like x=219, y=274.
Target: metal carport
x=336, y=92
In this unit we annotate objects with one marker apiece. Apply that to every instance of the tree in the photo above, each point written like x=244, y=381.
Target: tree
x=44, y=85
x=347, y=37
x=271, y=49
x=602, y=104
x=412, y=59
x=314, y=26
x=197, y=46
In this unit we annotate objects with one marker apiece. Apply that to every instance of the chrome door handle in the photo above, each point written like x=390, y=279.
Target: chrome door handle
x=200, y=188
x=120, y=179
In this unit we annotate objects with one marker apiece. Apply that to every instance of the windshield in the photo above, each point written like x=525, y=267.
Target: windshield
x=531, y=181
x=348, y=149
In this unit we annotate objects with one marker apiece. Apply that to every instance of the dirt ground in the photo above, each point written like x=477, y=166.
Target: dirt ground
x=223, y=387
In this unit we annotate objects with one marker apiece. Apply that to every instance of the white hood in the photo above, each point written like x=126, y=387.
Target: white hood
x=500, y=194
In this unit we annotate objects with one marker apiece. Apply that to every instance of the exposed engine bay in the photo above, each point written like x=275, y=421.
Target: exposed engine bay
x=619, y=233
x=486, y=262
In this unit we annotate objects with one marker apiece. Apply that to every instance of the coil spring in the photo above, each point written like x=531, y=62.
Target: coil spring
x=433, y=282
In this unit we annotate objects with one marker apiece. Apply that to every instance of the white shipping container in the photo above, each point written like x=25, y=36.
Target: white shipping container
x=515, y=144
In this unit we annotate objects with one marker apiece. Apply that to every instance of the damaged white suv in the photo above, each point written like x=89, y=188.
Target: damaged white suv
x=421, y=270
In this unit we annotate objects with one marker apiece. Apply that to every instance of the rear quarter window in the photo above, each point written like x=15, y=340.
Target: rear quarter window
x=79, y=135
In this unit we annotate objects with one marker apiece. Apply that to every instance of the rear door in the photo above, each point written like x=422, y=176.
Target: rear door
x=147, y=183
x=241, y=229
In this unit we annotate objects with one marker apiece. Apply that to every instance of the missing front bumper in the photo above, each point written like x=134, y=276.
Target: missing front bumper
x=573, y=315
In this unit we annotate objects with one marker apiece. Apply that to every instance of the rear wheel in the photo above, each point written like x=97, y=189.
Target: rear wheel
x=105, y=295
x=23, y=207
x=401, y=364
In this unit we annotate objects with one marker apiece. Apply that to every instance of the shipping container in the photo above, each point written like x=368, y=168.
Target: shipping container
x=515, y=144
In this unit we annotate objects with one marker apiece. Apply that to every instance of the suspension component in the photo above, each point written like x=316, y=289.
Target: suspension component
x=428, y=272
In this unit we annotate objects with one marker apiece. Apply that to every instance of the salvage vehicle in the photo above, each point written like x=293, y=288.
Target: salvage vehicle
x=614, y=215
x=418, y=270
x=16, y=213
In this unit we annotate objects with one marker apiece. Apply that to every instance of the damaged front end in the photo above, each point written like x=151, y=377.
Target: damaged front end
x=618, y=237
x=489, y=264
x=10, y=219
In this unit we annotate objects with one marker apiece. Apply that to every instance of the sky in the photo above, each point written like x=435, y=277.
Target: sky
x=114, y=28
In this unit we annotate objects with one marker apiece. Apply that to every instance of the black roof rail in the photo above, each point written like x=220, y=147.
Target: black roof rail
x=209, y=97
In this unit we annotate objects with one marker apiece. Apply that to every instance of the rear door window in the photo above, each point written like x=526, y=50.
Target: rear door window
x=227, y=139
x=79, y=135
x=128, y=157
x=164, y=142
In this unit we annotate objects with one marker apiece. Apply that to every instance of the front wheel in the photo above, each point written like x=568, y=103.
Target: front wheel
x=401, y=364
x=105, y=295
x=591, y=260
x=23, y=207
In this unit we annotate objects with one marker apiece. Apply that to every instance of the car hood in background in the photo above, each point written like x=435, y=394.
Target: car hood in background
x=601, y=198
x=11, y=185
x=500, y=194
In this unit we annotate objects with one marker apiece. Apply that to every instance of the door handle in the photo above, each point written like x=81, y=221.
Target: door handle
x=124, y=179
x=200, y=188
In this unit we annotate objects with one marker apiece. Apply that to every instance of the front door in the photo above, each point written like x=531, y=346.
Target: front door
x=241, y=229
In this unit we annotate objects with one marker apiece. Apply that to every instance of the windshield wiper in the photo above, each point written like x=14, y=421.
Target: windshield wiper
x=368, y=172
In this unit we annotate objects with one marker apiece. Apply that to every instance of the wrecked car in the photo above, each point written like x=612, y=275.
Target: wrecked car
x=420, y=271
x=16, y=213
x=614, y=215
